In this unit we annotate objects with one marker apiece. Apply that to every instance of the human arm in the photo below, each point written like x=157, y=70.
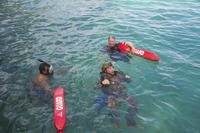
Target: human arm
x=124, y=77
x=65, y=70
x=46, y=86
x=105, y=82
x=131, y=46
x=104, y=79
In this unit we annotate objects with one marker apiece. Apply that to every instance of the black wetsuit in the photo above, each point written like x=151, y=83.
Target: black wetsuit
x=115, y=89
x=117, y=82
x=113, y=49
x=115, y=54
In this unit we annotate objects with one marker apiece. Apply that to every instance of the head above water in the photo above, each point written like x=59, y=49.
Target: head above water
x=46, y=69
x=111, y=41
x=108, y=68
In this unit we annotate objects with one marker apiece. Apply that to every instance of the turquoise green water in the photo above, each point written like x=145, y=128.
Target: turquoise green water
x=70, y=33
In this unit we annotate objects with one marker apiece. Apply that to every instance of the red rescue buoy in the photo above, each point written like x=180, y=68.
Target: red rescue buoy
x=59, y=109
x=124, y=48
x=139, y=52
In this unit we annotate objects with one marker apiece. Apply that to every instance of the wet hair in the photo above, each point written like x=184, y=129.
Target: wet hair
x=44, y=68
x=106, y=65
x=113, y=37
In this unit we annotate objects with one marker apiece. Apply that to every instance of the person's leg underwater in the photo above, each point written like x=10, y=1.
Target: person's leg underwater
x=113, y=111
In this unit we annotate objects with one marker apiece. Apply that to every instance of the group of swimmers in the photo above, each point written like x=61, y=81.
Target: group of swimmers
x=112, y=84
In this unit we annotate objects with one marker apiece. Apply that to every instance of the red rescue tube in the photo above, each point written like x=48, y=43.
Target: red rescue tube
x=59, y=109
x=139, y=52
x=124, y=48
x=146, y=54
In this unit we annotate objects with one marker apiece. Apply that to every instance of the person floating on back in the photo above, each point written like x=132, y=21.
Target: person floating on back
x=112, y=83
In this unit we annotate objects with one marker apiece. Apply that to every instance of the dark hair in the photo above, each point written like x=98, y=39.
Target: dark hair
x=111, y=37
x=44, y=68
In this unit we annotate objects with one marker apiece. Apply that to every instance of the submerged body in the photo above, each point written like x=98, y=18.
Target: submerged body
x=40, y=89
x=112, y=84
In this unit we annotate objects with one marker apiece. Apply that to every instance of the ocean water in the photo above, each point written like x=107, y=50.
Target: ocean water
x=71, y=33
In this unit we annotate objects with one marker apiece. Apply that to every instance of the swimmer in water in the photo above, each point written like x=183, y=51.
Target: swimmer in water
x=43, y=77
x=112, y=84
x=45, y=73
x=113, y=45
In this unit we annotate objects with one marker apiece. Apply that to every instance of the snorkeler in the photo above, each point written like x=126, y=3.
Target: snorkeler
x=43, y=77
x=41, y=90
x=112, y=83
x=45, y=73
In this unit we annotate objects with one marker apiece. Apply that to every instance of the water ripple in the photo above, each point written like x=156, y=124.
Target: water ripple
x=71, y=34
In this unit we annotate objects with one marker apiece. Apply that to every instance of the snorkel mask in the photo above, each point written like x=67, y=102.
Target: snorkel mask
x=45, y=68
x=51, y=70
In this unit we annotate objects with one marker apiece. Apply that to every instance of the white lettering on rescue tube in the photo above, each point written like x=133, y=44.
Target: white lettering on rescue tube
x=59, y=103
x=140, y=52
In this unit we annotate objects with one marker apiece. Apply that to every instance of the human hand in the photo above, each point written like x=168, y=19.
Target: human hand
x=105, y=82
x=127, y=77
x=131, y=46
